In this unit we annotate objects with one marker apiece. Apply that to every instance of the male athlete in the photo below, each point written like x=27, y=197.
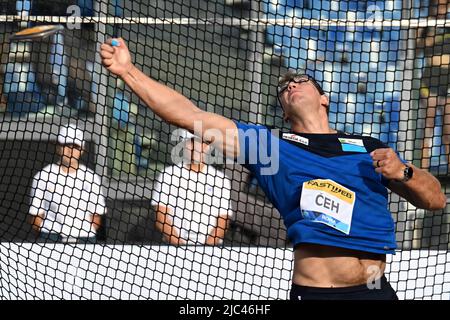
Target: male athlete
x=329, y=187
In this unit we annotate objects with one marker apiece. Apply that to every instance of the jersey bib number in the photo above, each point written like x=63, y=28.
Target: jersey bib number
x=328, y=202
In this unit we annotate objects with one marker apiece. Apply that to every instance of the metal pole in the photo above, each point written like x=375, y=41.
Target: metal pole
x=255, y=64
x=101, y=91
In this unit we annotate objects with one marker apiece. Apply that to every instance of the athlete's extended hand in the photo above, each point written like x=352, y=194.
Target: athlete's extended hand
x=117, y=58
x=388, y=163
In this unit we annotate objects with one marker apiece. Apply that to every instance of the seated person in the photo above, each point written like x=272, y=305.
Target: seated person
x=67, y=201
x=192, y=199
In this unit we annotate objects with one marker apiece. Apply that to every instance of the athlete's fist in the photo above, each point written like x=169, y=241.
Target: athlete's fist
x=388, y=163
x=116, y=56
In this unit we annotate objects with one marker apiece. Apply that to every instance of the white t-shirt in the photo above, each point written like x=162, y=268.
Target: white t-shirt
x=68, y=200
x=195, y=199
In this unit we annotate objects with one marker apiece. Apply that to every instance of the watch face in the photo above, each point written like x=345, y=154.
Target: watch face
x=410, y=172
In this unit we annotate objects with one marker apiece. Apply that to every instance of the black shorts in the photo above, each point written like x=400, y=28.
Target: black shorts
x=381, y=291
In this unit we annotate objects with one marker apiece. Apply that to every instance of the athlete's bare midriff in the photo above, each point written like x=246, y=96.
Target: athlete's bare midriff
x=327, y=267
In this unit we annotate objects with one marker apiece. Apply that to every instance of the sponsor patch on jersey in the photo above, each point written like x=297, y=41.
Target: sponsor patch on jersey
x=352, y=145
x=326, y=201
x=296, y=138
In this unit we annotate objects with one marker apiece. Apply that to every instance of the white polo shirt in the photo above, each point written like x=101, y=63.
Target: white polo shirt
x=196, y=199
x=68, y=200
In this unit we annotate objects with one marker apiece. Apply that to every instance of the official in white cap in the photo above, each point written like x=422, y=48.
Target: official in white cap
x=192, y=198
x=67, y=201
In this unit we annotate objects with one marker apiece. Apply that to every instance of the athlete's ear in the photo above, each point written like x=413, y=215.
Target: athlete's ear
x=324, y=101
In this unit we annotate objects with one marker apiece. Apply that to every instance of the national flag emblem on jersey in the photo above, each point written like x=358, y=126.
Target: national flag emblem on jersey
x=352, y=145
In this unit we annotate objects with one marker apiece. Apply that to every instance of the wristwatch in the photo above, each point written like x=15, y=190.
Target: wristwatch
x=407, y=173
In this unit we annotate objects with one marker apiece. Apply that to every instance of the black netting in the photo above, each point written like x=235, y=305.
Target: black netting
x=383, y=64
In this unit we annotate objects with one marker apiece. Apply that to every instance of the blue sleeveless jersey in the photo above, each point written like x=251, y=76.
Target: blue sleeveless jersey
x=324, y=186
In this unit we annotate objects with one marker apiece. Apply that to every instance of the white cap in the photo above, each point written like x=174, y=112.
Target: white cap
x=71, y=135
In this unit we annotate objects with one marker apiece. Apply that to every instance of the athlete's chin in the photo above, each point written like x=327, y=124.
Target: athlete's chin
x=296, y=96
x=299, y=97
x=301, y=103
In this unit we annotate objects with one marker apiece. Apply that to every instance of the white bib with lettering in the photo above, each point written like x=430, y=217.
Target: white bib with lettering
x=328, y=202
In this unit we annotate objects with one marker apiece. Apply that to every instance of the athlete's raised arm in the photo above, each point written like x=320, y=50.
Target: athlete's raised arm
x=168, y=103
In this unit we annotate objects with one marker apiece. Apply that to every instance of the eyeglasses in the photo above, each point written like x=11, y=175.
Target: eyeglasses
x=298, y=78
